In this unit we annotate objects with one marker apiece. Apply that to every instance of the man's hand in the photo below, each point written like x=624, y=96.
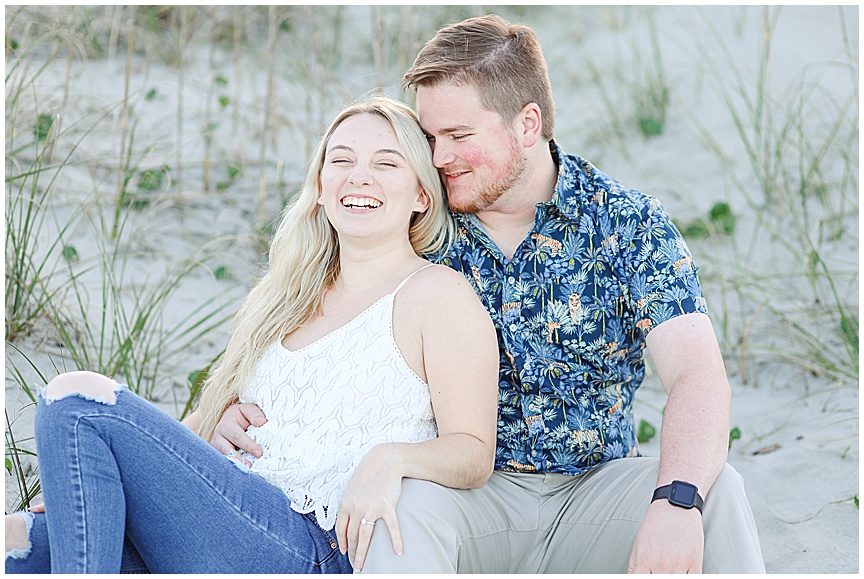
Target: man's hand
x=670, y=540
x=230, y=433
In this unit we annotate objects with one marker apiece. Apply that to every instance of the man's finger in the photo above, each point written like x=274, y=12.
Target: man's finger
x=242, y=441
x=253, y=414
x=221, y=444
x=232, y=429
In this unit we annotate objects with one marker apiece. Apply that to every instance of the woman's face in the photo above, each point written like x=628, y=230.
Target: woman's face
x=368, y=188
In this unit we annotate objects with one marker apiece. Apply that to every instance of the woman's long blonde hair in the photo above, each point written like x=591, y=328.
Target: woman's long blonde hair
x=304, y=260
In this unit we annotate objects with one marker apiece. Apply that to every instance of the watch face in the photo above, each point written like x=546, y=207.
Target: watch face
x=682, y=494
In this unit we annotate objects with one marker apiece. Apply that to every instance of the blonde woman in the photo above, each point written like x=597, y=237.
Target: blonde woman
x=371, y=364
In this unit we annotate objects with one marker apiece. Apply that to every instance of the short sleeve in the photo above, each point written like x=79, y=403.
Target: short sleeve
x=663, y=278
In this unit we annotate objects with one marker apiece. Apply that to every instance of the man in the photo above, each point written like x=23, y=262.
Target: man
x=579, y=274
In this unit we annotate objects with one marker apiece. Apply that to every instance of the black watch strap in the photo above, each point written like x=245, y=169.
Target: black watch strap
x=681, y=494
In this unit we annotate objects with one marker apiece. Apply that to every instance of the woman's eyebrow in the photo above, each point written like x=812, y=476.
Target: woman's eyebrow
x=391, y=151
x=378, y=152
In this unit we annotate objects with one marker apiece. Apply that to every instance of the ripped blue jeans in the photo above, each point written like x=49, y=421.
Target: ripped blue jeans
x=128, y=488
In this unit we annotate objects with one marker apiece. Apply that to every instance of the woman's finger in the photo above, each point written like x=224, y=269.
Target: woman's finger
x=353, y=530
x=364, y=536
x=395, y=533
x=341, y=530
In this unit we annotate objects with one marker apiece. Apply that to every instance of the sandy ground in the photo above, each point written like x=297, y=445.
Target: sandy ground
x=799, y=445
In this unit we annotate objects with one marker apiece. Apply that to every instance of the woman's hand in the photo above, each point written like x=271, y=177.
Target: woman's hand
x=372, y=494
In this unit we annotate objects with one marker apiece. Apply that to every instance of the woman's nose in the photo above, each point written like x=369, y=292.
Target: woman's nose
x=360, y=176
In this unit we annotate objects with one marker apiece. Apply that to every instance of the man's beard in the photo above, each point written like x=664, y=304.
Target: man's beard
x=491, y=192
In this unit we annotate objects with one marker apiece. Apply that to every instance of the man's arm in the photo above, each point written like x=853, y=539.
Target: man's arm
x=192, y=422
x=694, y=440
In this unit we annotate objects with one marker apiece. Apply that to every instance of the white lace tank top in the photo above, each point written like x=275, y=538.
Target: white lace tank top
x=329, y=403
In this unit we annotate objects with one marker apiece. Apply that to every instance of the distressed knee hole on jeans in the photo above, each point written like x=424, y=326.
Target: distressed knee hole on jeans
x=87, y=385
x=20, y=551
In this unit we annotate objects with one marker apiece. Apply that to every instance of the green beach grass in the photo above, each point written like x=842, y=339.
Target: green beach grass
x=150, y=149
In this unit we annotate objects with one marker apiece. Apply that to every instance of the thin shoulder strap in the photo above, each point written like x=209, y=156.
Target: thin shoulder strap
x=404, y=281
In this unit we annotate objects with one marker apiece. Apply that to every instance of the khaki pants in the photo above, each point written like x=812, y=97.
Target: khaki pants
x=554, y=523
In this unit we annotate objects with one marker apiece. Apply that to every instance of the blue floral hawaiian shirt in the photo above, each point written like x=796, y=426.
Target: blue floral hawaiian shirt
x=602, y=266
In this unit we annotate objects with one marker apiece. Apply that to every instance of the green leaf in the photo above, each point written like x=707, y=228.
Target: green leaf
x=11, y=44
x=11, y=469
x=646, y=431
x=220, y=80
x=855, y=498
x=150, y=180
x=695, y=229
x=650, y=127
x=224, y=101
x=43, y=126
x=222, y=273
x=197, y=378
x=70, y=254
x=734, y=434
x=721, y=214
x=151, y=94
x=233, y=171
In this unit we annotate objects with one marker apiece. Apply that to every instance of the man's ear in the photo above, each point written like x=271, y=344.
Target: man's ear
x=531, y=124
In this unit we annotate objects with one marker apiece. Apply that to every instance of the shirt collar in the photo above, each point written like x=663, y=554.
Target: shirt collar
x=568, y=195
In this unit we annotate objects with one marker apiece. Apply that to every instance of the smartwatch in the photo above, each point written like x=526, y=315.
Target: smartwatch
x=681, y=494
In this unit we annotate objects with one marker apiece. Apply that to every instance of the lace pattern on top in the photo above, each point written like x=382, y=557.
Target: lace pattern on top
x=329, y=403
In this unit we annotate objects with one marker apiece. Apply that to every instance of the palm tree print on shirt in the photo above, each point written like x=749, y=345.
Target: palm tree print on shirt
x=602, y=266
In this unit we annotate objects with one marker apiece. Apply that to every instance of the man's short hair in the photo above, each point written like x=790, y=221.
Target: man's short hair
x=502, y=61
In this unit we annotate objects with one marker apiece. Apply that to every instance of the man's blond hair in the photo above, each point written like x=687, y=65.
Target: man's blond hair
x=502, y=61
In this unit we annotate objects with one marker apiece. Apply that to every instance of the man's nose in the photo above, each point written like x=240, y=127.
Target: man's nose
x=442, y=155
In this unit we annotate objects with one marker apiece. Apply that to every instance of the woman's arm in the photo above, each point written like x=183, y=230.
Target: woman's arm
x=460, y=359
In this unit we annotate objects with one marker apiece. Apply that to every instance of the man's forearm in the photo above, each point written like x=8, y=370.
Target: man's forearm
x=695, y=433
x=192, y=422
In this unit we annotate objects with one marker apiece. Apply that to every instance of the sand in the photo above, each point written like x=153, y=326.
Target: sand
x=798, y=447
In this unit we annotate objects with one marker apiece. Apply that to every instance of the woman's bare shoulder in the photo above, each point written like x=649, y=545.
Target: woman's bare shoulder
x=440, y=284
x=439, y=294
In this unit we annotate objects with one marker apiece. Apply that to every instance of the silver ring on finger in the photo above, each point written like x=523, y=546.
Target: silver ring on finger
x=365, y=522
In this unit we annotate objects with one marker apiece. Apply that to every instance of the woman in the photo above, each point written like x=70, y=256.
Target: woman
x=371, y=364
